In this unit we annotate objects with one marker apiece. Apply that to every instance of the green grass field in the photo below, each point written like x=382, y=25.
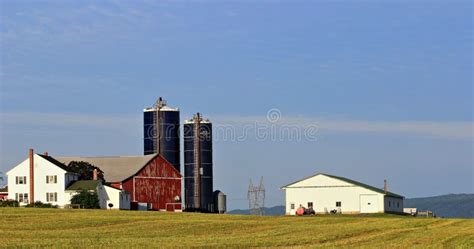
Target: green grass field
x=29, y=227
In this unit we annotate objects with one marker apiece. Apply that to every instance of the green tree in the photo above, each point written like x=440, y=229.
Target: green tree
x=86, y=170
x=86, y=199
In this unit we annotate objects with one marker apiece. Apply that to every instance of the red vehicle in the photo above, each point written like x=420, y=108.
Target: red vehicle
x=305, y=211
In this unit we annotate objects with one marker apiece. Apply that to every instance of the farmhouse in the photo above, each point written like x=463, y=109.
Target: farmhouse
x=327, y=193
x=40, y=178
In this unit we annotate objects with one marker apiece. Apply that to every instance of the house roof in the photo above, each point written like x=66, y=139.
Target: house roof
x=116, y=169
x=360, y=184
x=55, y=162
x=84, y=185
x=4, y=189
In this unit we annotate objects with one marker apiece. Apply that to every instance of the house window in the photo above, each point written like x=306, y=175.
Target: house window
x=292, y=206
x=20, y=180
x=389, y=203
x=398, y=204
x=21, y=197
x=52, y=197
x=338, y=204
x=310, y=205
x=51, y=179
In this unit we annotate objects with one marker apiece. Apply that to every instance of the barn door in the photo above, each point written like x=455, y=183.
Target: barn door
x=369, y=204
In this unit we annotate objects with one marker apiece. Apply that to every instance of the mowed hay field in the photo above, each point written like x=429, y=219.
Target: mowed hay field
x=30, y=227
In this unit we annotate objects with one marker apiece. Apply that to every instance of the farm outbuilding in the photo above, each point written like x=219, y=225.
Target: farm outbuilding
x=152, y=182
x=109, y=197
x=327, y=193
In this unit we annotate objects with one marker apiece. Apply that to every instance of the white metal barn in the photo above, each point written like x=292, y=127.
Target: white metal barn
x=325, y=193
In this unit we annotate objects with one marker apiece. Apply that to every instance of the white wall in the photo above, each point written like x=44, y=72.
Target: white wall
x=68, y=196
x=42, y=169
x=325, y=191
x=22, y=169
x=119, y=198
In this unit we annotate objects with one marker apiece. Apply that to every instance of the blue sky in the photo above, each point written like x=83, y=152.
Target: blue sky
x=387, y=83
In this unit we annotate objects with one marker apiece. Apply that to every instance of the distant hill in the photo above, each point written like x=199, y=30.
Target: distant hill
x=452, y=205
x=276, y=210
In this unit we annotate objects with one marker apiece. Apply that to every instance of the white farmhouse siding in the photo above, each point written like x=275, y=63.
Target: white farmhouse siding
x=325, y=193
x=50, y=181
x=14, y=187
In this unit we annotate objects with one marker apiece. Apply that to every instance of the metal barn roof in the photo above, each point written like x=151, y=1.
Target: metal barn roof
x=360, y=184
x=116, y=169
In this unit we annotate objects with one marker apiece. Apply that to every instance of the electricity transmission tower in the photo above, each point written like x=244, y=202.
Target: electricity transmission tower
x=256, y=197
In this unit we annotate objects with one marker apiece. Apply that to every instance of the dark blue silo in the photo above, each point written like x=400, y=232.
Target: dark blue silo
x=198, y=189
x=161, y=132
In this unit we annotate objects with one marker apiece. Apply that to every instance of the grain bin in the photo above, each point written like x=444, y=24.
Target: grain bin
x=220, y=202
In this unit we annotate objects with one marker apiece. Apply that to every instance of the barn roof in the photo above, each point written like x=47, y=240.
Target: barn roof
x=360, y=184
x=115, y=168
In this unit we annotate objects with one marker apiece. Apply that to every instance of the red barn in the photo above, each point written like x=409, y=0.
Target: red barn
x=153, y=183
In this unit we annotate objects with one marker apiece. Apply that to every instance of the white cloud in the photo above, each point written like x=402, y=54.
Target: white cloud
x=445, y=130
x=448, y=130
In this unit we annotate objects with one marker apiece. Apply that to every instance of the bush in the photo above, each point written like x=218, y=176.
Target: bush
x=39, y=204
x=86, y=199
x=9, y=203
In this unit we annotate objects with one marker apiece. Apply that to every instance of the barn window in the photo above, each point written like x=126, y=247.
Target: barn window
x=310, y=205
x=292, y=206
x=338, y=204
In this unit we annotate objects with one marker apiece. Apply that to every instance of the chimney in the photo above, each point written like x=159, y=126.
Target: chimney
x=32, y=176
x=94, y=175
x=45, y=153
x=385, y=186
